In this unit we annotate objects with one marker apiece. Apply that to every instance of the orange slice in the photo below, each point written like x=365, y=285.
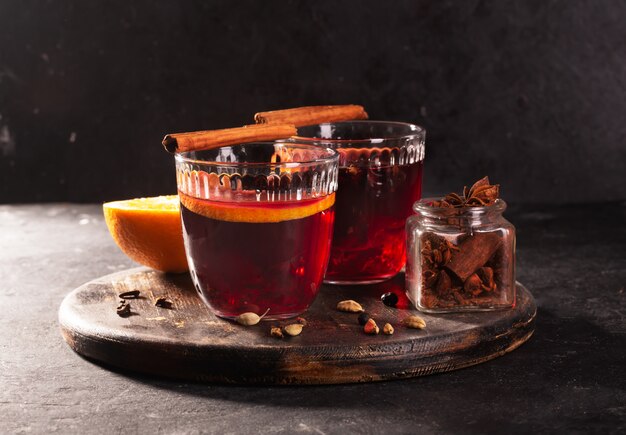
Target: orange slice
x=148, y=230
x=256, y=212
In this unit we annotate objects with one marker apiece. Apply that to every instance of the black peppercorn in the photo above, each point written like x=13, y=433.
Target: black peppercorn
x=123, y=309
x=163, y=303
x=390, y=299
x=363, y=318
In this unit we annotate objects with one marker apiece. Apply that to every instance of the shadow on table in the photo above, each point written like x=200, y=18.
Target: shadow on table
x=557, y=373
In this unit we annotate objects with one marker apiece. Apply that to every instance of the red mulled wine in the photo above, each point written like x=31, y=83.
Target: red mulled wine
x=250, y=257
x=372, y=206
x=380, y=177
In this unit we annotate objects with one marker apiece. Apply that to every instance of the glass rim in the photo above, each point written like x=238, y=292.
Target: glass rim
x=331, y=156
x=424, y=208
x=417, y=131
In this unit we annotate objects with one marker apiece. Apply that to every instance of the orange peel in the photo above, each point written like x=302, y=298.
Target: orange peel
x=149, y=231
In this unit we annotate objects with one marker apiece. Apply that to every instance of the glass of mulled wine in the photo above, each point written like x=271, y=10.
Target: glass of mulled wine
x=380, y=177
x=257, y=223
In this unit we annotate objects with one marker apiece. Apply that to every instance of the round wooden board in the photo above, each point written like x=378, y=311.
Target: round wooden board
x=189, y=342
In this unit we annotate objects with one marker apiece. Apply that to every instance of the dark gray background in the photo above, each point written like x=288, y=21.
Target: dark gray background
x=532, y=93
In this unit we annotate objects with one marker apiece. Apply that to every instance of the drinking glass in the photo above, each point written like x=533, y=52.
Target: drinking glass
x=257, y=223
x=380, y=177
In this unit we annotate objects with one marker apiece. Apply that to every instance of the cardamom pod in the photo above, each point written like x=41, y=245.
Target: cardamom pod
x=388, y=329
x=249, y=319
x=350, y=306
x=414, y=322
x=293, y=329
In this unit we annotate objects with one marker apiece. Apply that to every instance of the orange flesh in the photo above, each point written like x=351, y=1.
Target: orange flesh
x=256, y=212
x=149, y=231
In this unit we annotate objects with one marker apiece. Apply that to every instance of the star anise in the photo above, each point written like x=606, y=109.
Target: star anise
x=435, y=258
x=481, y=281
x=480, y=194
x=430, y=277
x=439, y=256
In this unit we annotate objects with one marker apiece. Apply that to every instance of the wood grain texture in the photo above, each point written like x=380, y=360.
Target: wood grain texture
x=189, y=342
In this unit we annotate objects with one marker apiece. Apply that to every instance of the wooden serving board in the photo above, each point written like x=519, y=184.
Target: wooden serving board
x=189, y=342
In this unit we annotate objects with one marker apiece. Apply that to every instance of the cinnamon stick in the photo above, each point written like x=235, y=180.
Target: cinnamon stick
x=310, y=115
x=473, y=253
x=209, y=139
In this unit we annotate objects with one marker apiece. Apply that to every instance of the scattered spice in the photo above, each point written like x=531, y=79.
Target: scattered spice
x=371, y=327
x=131, y=294
x=363, y=318
x=388, y=329
x=123, y=309
x=249, y=319
x=276, y=332
x=163, y=303
x=415, y=322
x=350, y=306
x=293, y=329
x=390, y=299
x=301, y=320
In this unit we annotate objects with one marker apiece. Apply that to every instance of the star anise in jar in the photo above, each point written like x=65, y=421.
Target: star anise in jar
x=480, y=281
x=436, y=253
x=439, y=256
x=481, y=193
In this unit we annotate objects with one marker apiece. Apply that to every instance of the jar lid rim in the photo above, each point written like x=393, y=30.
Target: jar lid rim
x=424, y=207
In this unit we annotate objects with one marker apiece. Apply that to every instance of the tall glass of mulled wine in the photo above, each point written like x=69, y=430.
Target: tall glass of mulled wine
x=380, y=177
x=257, y=222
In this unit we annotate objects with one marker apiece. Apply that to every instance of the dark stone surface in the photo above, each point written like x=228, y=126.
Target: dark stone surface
x=529, y=92
x=568, y=378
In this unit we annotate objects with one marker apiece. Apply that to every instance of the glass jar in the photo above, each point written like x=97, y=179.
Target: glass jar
x=460, y=259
